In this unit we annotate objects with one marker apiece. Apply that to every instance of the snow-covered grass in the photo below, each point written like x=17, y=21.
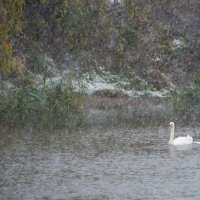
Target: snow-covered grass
x=99, y=83
x=93, y=83
x=178, y=44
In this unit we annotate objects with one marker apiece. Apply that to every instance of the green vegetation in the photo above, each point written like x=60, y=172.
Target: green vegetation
x=47, y=107
x=109, y=93
x=186, y=102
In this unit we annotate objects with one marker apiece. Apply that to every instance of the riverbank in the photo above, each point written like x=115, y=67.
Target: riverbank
x=102, y=103
x=65, y=100
x=126, y=112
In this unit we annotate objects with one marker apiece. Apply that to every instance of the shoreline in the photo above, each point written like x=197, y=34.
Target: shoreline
x=102, y=102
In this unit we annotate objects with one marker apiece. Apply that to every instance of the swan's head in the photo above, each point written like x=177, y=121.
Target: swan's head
x=171, y=124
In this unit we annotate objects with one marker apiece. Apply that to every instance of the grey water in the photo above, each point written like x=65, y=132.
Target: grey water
x=98, y=163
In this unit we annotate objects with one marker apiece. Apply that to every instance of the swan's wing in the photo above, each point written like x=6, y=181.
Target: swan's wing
x=188, y=136
x=183, y=140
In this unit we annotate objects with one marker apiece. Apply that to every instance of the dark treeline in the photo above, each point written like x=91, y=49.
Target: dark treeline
x=155, y=40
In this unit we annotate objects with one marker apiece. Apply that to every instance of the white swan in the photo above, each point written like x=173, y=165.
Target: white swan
x=179, y=140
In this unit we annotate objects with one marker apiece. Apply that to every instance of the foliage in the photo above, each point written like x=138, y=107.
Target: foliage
x=80, y=26
x=186, y=101
x=109, y=93
x=11, y=23
x=123, y=35
x=136, y=36
x=58, y=106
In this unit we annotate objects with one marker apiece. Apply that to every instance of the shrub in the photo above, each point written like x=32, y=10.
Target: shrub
x=186, y=102
x=58, y=106
x=109, y=93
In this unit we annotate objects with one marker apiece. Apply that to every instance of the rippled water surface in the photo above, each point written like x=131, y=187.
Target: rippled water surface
x=98, y=163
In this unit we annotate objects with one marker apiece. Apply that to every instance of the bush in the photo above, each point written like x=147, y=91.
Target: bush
x=109, y=93
x=58, y=106
x=186, y=102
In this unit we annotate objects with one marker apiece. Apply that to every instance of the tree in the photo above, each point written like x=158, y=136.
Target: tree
x=11, y=23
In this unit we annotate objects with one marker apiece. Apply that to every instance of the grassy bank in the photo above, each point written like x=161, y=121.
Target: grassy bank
x=58, y=106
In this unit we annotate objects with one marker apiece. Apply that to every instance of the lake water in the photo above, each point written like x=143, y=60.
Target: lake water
x=98, y=163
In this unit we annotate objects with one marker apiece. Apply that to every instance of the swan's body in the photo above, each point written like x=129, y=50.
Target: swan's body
x=180, y=140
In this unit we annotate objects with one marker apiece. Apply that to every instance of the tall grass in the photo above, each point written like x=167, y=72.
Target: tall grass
x=58, y=106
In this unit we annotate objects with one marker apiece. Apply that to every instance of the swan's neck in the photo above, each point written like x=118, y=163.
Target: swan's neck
x=171, y=135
